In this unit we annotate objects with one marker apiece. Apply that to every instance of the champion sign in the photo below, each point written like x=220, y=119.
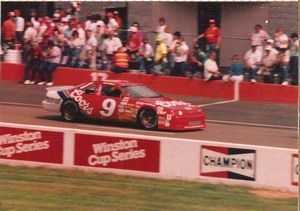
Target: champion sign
x=295, y=170
x=31, y=145
x=118, y=153
x=224, y=162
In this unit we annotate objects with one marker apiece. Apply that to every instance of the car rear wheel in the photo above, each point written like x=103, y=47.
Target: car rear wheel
x=148, y=119
x=70, y=111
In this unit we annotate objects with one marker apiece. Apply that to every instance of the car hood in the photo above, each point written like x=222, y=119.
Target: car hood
x=59, y=88
x=170, y=103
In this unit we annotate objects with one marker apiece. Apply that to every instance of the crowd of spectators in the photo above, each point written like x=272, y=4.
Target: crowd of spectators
x=104, y=44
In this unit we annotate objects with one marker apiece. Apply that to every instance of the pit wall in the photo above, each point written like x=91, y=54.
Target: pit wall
x=257, y=92
x=147, y=156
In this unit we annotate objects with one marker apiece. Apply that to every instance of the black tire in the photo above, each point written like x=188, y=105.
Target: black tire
x=147, y=119
x=70, y=111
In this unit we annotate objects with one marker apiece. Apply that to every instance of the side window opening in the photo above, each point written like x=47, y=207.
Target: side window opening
x=111, y=91
x=90, y=89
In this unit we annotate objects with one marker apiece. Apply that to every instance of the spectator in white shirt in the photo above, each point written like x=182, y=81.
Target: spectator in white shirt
x=52, y=61
x=145, y=56
x=161, y=27
x=75, y=48
x=110, y=46
x=20, y=25
x=112, y=24
x=30, y=34
x=211, y=69
x=252, y=61
x=267, y=64
x=281, y=40
x=90, y=49
x=258, y=37
x=180, y=54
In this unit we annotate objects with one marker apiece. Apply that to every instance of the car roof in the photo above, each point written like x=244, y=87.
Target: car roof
x=118, y=82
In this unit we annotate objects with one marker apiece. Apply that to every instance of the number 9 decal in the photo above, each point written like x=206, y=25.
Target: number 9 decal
x=108, y=107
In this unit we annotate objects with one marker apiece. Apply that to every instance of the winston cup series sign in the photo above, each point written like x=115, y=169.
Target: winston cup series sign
x=225, y=162
x=31, y=145
x=295, y=170
x=116, y=152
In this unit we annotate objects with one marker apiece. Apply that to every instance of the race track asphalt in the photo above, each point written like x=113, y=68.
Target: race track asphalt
x=266, y=124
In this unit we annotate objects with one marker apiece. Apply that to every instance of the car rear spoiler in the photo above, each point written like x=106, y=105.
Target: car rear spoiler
x=59, y=88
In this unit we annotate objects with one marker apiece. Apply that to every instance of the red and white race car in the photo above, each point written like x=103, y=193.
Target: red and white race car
x=123, y=101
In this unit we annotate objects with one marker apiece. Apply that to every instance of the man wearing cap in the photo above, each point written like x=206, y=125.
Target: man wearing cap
x=9, y=28
x=212, y=35
x=20, y=25
x=133, y=43
x=270, y=43
x=110, y=46
x=252, y=61
x=268, y=64
x=118, y=19
x=179, y=50
x=112, y=24
x=145, y=56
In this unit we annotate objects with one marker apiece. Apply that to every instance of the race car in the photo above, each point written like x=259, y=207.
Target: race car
x=118, y=100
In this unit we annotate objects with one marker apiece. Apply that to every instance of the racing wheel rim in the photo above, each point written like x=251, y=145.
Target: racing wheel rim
x=69, y=111
x=148, y=118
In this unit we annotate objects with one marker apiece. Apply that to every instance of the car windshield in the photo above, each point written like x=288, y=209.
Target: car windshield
x=141, y=91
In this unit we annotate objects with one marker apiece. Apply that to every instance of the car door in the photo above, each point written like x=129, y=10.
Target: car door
x=106, y=102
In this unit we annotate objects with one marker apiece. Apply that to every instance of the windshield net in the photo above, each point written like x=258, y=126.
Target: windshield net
x=141, y=91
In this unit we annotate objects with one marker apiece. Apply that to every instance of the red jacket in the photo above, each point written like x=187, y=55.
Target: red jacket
x=9, y=30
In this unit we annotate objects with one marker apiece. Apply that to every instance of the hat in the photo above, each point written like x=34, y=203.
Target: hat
x=177, y=33
x=270, y=41
x=212, y=21
x=11, y=14
x=159, y=38
x=64, y=19
x=56, y=15
x=109, y=14
x=50, y=42
x=133, y=29
x=268, y=48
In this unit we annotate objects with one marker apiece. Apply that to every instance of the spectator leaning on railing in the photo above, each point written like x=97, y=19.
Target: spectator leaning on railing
x=252, y=61
x=52, y=57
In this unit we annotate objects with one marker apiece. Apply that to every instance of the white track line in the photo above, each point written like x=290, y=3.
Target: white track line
x=252, y=124
x=218, y=103
x=125, y=129
x=21, y=104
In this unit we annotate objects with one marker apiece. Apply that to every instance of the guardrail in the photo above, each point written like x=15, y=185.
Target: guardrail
x=157, y=157
x=257, y=92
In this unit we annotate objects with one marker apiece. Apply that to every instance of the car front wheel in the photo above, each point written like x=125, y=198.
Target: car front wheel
x=148, y=119
x=70, y=111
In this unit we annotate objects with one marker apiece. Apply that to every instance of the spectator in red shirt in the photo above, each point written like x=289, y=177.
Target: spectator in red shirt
x=9, y=28
x=118, y=19
x=212, y=35
x=134, y=42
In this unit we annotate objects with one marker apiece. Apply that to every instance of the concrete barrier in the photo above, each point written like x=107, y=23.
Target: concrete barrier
x=157, y=157
x=258, y=92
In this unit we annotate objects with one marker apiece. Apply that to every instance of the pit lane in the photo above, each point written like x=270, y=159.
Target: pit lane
x=266, y=124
